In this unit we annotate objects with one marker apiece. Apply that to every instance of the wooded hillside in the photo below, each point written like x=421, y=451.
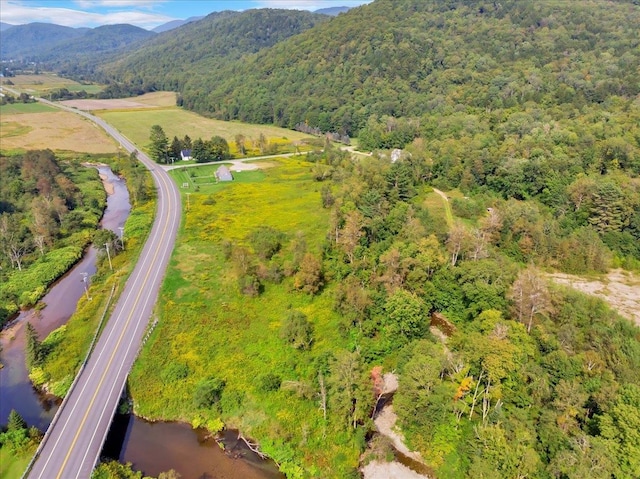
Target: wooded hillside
x=200, y=48
x=413, y=58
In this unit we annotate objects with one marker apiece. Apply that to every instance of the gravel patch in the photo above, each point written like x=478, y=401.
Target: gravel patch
x=619, y=288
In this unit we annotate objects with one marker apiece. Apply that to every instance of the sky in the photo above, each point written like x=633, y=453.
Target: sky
x=142, y=13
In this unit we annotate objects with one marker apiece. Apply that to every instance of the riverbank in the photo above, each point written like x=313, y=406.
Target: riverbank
x=52, y=311
x=406, y=464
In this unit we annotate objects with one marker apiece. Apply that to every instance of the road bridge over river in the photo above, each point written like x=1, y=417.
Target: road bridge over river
x=74, y=440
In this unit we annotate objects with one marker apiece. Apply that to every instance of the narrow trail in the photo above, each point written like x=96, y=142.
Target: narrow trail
x=447, y=207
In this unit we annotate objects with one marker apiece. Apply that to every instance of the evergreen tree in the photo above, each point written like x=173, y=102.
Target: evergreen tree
x=159, y=144
x=15, y=421
x=33, y=348
x=175, y=149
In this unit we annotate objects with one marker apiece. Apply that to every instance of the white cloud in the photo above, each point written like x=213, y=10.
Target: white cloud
x=117, y=3
x=17, y=13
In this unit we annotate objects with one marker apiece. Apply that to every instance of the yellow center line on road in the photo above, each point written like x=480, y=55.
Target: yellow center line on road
x=106, y=369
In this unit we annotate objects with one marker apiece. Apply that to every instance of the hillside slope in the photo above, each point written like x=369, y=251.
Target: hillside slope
x=408, y=57
x=25, y=40
x=201, y=48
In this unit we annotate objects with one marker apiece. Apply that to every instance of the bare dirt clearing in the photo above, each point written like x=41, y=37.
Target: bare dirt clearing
x=58, y=131
x=90, y=105
x=148, y=100
x=620, y=289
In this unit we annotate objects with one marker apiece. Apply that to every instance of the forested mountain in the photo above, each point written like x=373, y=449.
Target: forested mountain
x=203, y=47
x=24, y=40
x=96, y=45
x=165, y=27
x=411, y=57
x=66, y=49
x=333, y=11
x=5, y=26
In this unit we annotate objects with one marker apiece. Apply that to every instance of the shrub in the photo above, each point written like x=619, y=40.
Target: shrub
x=208, y=392
x=297, y=330
x=266, y=241
x=174, y=372
x=269, y=382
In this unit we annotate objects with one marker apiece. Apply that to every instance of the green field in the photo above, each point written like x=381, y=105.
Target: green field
x=136, y=125
x=16, y=108
x=207, y=327
x=202, y=179
x=43, y=83
x=12, y=466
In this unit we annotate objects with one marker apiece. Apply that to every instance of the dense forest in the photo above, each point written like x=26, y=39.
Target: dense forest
x=410, y=58
x=532, y=380
x=202, y=47
x=48, y=211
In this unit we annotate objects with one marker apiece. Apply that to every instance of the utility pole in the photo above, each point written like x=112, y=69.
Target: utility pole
x=86, y=286
x=188, y=202
x=106, y=245
x=121, y=228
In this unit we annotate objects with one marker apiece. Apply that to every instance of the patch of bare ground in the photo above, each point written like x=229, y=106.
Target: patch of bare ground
x=619, y=288
x=148, y=100
x=385, y=423
x=389, y=470
x=116, y=104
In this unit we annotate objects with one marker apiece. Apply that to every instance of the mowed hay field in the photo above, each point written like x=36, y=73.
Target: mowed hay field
x=148, y=100
x=136, y=125
x=34, y=126
x=39, y=84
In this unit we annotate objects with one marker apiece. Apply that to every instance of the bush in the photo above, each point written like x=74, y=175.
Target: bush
x=208, y=392
x=269, y=382
x=174, y=372
x=297, y=330
x=266, y=241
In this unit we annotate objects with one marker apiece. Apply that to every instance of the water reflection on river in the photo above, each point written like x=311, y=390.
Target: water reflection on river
x=152, y=448
x=16, y=391
x=158, y=447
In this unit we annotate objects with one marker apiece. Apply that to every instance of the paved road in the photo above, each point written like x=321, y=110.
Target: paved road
x=75, y=438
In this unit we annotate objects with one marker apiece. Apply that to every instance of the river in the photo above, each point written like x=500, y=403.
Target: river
x=150, y=447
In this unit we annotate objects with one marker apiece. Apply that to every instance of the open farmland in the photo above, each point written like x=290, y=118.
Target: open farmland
x=149, y=100
x=56, y=130
x=41, y=84
x=136, y=124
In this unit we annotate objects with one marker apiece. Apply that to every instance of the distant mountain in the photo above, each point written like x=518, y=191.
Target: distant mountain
x=200, y=48
x=175, y=24
x=332, y=11
x=24, y=40
x=96, y=45
x=104, y=39
x=4, y=26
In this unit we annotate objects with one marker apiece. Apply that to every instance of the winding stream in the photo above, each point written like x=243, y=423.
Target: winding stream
x=150, y=447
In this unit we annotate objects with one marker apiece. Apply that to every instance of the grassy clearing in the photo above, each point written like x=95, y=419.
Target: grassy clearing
x=13, y=466
x=157, y=98
x=56, y=130
x=17, y=108
x=202, y=179
x=41, y=84
x=207, y=328
x=136, y=124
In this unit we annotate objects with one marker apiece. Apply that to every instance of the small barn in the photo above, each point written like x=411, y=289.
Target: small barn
x=185, y=155
x=223, y=174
